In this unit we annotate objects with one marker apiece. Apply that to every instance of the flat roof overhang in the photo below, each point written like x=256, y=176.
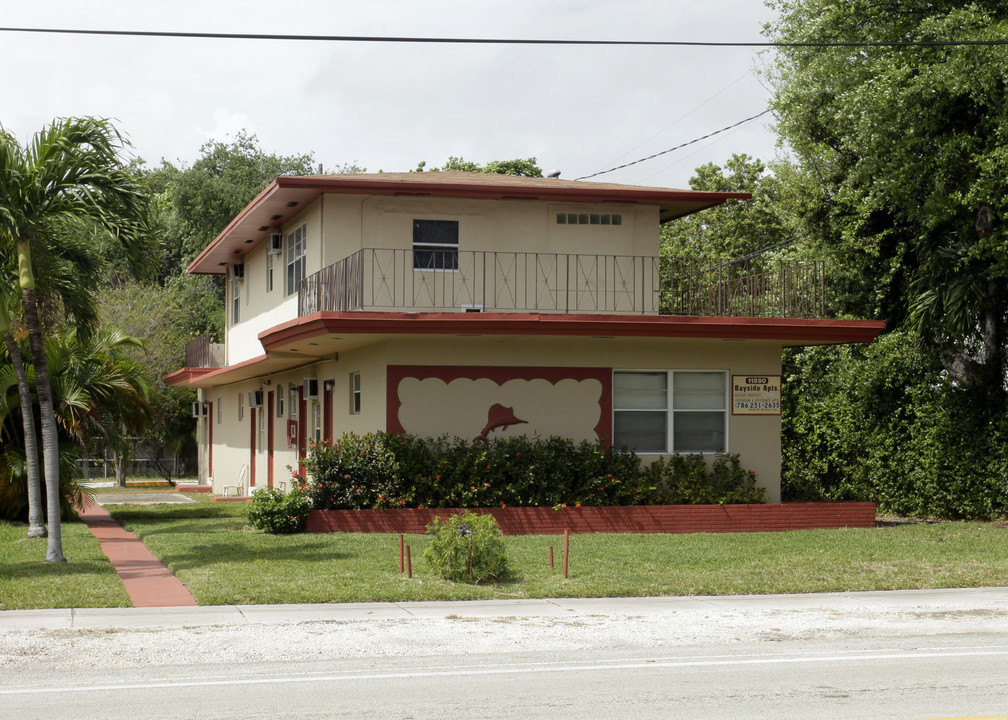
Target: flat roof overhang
x=285, y=197
x=315, y=337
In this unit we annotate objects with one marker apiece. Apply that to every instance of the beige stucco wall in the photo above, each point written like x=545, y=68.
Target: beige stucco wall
x=755, y=438
x=339, y=225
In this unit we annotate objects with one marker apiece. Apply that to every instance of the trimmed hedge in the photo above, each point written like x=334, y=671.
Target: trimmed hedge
x=381, y=470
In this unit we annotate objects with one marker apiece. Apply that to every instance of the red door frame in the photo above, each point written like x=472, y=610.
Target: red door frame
x=210, y=421
x=327, y=410
x=302, y=431
x=269, y=439
x=252, y=446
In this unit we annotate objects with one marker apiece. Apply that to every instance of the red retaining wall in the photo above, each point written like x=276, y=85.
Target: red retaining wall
x=636, y=519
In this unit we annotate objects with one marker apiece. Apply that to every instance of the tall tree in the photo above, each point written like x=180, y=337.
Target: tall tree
x=68, y=180
x=905, y=148
x=36, y=517
x=196, y=202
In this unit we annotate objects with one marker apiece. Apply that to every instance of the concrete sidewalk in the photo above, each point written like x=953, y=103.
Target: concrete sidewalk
x=968, y=600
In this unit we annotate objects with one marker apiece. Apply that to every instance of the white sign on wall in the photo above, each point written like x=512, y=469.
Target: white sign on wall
x=756, y=394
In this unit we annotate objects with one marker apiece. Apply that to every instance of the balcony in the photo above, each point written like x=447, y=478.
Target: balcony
x=201, y=353
x=389, y=280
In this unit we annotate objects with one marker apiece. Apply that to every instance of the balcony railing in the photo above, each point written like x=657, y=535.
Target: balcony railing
x=201, y=353
x=387, y=279
x=745, y=288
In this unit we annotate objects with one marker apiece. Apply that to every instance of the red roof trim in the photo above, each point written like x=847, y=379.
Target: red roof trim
x=796, y=331
x=187, y=376
x=306, y=189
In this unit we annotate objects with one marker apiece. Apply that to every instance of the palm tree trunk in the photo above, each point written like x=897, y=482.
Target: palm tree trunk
x=36, y=519
x=50, y=434
x=119, y=458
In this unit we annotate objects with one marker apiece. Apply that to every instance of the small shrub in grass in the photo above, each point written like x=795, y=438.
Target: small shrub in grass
x=275, y=512
x=448, y=551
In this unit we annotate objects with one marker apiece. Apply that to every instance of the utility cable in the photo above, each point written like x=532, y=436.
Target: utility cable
x=496, y=41
x=672, y=149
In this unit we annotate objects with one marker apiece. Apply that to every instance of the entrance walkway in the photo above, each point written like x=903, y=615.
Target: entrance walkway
x=147, y=581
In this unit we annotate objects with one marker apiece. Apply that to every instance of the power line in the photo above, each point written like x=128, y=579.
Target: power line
x=672, y=149
x=496, y=41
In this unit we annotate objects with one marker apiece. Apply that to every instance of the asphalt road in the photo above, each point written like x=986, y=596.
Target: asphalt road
x=913, y=655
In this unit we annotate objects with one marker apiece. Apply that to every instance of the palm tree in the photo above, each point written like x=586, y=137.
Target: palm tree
x=69, y=179
x=36, y=522
x=104, y=393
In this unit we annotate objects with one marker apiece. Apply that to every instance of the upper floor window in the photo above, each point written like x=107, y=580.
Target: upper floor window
x=670, y=411
x=296, y=252
x=435, y=244
x=236, y=285
x=269, y=272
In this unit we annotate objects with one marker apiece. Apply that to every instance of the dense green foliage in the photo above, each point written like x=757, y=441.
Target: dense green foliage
x=902, y=151
x=900, y=182
x=467, y=548
x=687, y=480
x=277, y=512
x=883, y=422
x=381, y=470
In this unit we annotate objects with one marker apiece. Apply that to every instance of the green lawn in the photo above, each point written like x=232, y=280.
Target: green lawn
x=223, y=561
x=87, y=580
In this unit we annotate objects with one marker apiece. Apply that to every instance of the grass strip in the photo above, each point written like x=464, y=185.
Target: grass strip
x=223, y=561
x=86, y=580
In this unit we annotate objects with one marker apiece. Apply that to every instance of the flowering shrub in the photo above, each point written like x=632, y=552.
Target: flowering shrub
x=449, y=550
x=275, y=512
x=686, y=480
x=354, y=473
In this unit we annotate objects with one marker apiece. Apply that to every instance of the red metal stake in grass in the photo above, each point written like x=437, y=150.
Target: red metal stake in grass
x=400, y=553
x=566, y=550
x=409, y=564
x=551, y=556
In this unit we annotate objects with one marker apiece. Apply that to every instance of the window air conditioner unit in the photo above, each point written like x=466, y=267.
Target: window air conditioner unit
x=310, y=388
x=275, y=243
x=199, y=409
x=238, y=271
x=255, y=398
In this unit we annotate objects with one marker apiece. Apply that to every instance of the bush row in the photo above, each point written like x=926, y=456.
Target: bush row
x=887, y=423
x=380, y=470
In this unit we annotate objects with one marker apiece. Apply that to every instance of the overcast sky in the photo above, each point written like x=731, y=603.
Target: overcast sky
x=389, y=106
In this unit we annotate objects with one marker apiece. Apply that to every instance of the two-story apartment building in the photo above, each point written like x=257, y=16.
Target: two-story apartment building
x=486, y=305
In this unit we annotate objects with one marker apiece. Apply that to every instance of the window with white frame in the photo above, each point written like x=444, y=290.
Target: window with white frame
x=236, y=284
x=220, y=410
x=435, y=244
x=269, y=271
x=317, y=421
x=241, y=406
x=293, y=403
x=261, y=419
x=280, y=401
x=296, y=253
x=355, y=393
x=683, y=411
